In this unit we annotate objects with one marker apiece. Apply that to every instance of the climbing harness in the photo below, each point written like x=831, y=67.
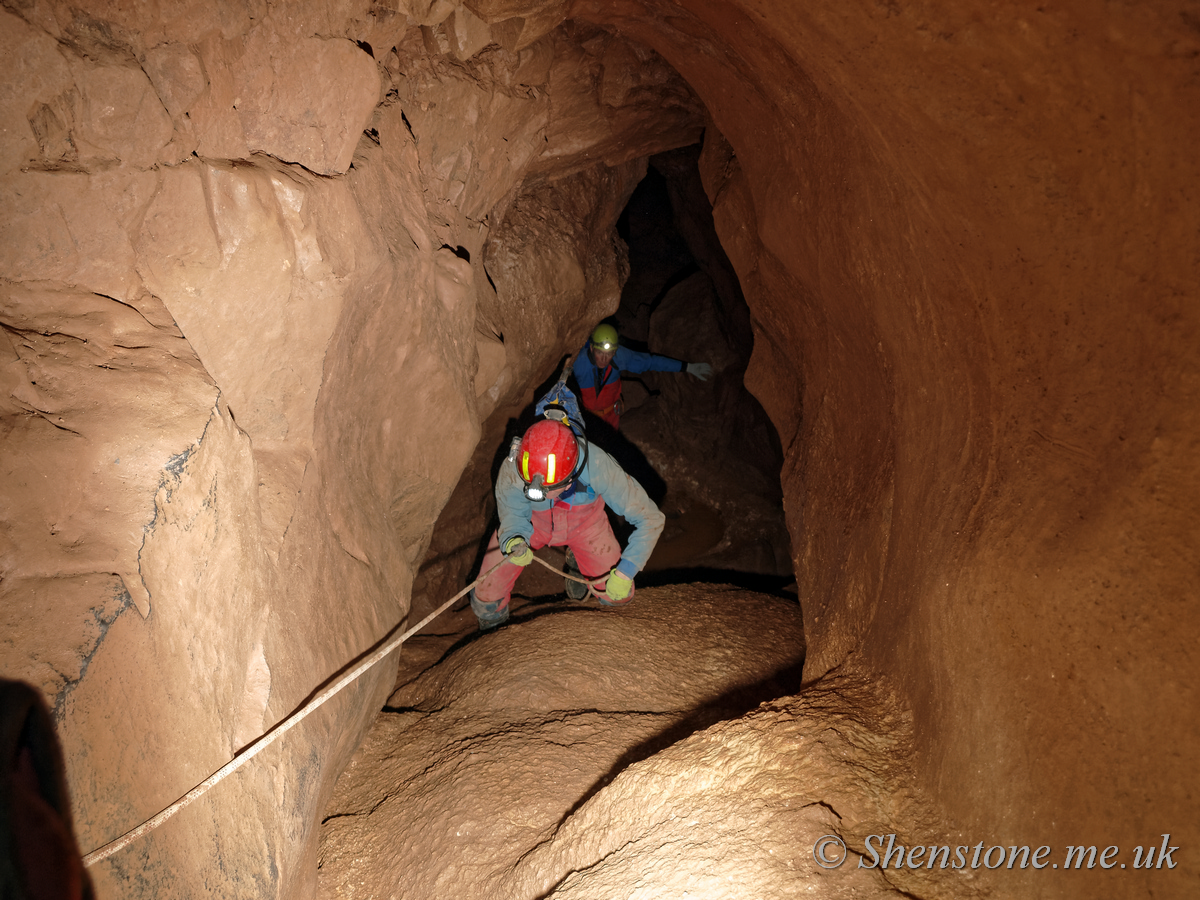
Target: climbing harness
x=265, y=740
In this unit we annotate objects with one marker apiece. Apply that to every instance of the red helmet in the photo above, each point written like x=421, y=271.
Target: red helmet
x=549, y=455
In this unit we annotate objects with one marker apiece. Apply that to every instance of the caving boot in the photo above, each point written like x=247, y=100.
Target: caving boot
x=576, y=590
x=490, y=615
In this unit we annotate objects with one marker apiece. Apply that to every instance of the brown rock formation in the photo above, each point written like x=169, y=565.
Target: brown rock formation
x=274, y=278
x=491, y=750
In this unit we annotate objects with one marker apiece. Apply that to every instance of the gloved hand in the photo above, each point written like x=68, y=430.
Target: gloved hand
x=700, y=370
x=618, y=586
x=518, y=551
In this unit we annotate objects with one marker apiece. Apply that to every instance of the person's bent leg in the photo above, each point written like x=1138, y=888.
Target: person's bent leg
x=489, y=598
x=576, y=590
x=596, y=549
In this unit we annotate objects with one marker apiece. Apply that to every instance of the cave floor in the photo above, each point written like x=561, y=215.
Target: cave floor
x=661, y=749
x=502, y=736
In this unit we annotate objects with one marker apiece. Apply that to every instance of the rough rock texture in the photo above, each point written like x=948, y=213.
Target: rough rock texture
x=736, y=810
x=491, y=749
x=250, y=345
x=240, y=287
x=582, y=752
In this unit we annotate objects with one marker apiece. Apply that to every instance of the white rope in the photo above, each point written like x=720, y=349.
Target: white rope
x=589, y=582
x=263, y=741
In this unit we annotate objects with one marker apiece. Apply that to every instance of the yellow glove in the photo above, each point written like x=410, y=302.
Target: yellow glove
x=618, y=586
x=518, y=551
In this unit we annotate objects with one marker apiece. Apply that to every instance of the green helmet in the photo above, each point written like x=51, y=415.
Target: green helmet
x=605, y=338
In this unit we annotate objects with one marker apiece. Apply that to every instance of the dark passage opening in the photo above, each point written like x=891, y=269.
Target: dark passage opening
x=540, y=719
x=704, y=450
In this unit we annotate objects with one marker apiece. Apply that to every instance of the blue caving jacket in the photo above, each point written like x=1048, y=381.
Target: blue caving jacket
x=601, y=477
x=624, y=360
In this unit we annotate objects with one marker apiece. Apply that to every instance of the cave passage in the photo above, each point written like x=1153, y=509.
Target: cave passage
x=705, y=452
x=719, y=450
x=505, y=738
x=276, y=279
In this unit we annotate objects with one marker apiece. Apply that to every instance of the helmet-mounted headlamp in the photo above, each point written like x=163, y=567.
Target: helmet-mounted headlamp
x=549, y=456
x=534, y=490
x=605, y=339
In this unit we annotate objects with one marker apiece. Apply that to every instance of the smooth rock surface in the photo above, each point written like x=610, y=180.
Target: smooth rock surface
x=581, y=752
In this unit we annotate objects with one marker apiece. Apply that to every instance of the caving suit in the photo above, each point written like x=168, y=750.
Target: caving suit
x=575, y=519
x=600, y=390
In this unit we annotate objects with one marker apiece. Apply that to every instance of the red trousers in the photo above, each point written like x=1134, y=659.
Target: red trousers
x=605, y=403
x=584, y=529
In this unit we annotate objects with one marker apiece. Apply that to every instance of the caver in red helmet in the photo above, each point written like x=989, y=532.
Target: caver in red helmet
x=549, y=457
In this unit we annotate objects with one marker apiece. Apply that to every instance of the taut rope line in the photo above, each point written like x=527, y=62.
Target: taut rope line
x=263, y=741
x=589, y=582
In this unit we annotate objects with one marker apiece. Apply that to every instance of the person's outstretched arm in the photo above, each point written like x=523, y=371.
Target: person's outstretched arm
x=635, y=362
x=628, y=499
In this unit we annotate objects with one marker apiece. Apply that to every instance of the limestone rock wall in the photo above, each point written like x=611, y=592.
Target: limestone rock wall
x=248, y=342
x=961, y=230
